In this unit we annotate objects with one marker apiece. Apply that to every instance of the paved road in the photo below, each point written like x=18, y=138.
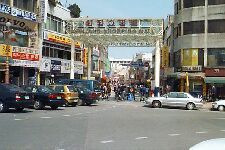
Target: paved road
x=109, y=126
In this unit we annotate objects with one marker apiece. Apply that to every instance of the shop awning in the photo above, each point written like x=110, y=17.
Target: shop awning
x=215, y=80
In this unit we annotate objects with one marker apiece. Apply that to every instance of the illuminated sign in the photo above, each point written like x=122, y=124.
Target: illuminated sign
x=192, y=68
x=58, y=38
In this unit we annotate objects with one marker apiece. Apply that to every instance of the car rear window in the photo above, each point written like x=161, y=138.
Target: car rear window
x=13, y=88
x=72, y=88
x=44, y=89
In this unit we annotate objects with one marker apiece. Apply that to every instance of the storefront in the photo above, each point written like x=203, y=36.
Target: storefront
x=21, y=36
x=215, y=83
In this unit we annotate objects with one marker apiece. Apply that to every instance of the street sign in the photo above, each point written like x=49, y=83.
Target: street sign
x=5, y=50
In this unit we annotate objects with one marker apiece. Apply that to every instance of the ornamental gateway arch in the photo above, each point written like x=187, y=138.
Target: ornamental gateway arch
x=118, y=32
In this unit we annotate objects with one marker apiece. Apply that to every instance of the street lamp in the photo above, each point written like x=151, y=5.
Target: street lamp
x=6, y=35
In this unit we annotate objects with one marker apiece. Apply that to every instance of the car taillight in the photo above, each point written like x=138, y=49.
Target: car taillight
x=52, y=96
x=18, y=98
x=92, y=95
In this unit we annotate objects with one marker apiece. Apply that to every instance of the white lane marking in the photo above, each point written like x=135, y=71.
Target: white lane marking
x=220, y=118
x=140, y=138
x=66, y=115
x=173, y=134
x=202, y=132
x=18, y=119
x=114, y=107
x=104, y=142
x=79, y=114
x=222, y=130
x=45, y=117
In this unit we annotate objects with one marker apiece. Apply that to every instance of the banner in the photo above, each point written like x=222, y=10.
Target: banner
x=25, y=63
x=45, y=65
x=65, y=68
x=5, y=50
x=78, y=67
x=58, y=38
x=55, y=66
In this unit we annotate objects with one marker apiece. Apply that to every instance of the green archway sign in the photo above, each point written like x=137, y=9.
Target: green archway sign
x=116, y=32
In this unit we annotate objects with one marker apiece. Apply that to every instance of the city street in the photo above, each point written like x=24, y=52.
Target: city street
x=109, y=125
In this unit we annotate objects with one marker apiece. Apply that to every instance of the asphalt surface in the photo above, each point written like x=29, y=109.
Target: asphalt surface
x=109, y=125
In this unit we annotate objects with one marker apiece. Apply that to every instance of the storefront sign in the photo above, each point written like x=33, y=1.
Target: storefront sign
x=215, y=72
x=33, y=39
x=17, y=22
x=192, y=68
x=25, y=53
x=78, y=67
x=58, y=38
x=65, y=68
x=25, y=63
x=56, y=66
x=43, y=10
x=5, y=50
x=18, y=12
x=45, y=65
x=128, y=44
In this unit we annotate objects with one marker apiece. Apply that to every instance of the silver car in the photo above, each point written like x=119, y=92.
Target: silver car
x=175, y=99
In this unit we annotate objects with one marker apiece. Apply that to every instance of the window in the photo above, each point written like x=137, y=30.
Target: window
x=176, y=8
x=54, y=23
x=172, y=95
x=28, y=5
x=194, y=27
x=216, y=26
x=59, y=89
x=216, y=2
x=193, y=3
x=216, y=57
x=181, y=95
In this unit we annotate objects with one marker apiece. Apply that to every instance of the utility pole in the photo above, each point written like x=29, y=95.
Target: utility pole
x=89, y=63
x=72, y=59
x=157, y=69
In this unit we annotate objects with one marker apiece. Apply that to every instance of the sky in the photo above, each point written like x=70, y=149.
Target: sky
x=124, y=9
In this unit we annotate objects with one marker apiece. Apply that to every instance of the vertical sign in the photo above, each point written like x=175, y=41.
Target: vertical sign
x=43, y=10
x=194, y=57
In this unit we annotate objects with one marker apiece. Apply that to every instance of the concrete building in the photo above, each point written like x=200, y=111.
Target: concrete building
x=199, y=45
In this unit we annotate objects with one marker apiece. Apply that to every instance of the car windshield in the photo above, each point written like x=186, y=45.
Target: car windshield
x=44, y=89
x=72, y=88
x=13, y=87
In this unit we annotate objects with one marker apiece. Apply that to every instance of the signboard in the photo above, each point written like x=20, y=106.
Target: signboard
x=25, y=63
x=127, y=44
x=85, y=56
x=192, y=68
x=17, y=12
x=215, y=72
x=45, y=65
x=5, y=50
x=78, y=67
x=55, y=66
x=25, y=53
x=58, y=38
x=65, y=68
x=43, y=11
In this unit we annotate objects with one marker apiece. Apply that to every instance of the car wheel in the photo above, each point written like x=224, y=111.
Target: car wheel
x=67, y=104
x=88, y=103
x=80, y=102
x=54, y=107
x=3, y=107
x=38, y=105
x=156, y=104
x=190, y=106
x=221, y=108
x=19, y=109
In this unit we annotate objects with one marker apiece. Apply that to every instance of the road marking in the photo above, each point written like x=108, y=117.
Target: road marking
x=222, y=130
x=18, y=119
x=114, y=107
x=66, y=115
x=79, y=114
x=140, y=138
x=104, y=142
x=220, y=118
x=173, y=134
x=202, y=132
x=45, y=117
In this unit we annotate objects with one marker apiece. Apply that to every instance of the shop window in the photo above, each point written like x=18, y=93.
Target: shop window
x=216, y=57
x=51, y=52
x=190, y=57
x=194, y=27
x=47, y=51
x=193, y=3
x=219, y=24
x=56, y=53
x=31, y=72
x=216, y=2
x=60, y=54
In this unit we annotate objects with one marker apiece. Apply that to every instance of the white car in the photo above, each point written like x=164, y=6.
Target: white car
x=175, y=99
x=213, y=144
x=219, y=105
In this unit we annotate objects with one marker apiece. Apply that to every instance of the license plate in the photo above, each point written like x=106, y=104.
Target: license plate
x=58, y=97
x=27, y=97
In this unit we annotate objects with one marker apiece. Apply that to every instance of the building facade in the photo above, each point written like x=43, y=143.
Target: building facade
x=19, y=35
x=199, y=45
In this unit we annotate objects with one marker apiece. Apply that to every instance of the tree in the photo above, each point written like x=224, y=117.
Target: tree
x=74, y=10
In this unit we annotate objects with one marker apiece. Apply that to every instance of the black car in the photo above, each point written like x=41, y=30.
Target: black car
x=44, y=96
x=86, y=96
x=12, y=96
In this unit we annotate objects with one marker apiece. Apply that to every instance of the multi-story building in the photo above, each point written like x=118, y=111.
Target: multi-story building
x=199, y=45
x=58, y=48
x=19, y=36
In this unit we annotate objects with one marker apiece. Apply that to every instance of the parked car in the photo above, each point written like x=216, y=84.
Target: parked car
x=86, y=96
x=12, y=96
x=69, y=93
x=213, y=144
x=176, y=99
x=219, y=105
x=92, y=85
x=45, y=96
